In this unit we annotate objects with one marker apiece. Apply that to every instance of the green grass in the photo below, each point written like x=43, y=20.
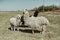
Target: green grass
x=53, y=31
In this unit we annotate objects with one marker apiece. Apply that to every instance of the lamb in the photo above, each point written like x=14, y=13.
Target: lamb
x=36, y=22
x=14, y=22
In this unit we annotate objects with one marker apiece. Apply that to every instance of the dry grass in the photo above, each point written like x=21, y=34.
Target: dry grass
x=53, y=31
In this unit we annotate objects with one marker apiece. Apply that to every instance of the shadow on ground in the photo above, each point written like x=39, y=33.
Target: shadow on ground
x=29, y=31
x=25, y=30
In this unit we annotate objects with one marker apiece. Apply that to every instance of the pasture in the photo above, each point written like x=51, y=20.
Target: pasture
x=52, y=33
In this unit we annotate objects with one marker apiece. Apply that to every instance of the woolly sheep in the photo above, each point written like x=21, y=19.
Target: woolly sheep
x=36, y=22
x=14, y=22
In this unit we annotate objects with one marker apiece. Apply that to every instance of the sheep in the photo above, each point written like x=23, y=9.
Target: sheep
x=19, y=19
x=14, y=22
x=36, y=22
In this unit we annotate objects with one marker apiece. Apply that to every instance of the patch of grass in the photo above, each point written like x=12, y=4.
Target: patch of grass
x=53, y=31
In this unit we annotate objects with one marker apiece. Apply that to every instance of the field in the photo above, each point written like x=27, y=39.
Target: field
x=53, y=31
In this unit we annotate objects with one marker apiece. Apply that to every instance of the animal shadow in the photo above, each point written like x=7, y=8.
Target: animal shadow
x=29, y=31
x=25, y=30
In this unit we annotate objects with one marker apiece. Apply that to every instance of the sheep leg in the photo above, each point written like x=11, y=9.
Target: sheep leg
x=44, y=29
x=41, y=29
x=32, y=31
x=12, y=28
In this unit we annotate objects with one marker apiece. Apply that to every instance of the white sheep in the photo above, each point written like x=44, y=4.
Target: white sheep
x=35, y=22
x=14, y=22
